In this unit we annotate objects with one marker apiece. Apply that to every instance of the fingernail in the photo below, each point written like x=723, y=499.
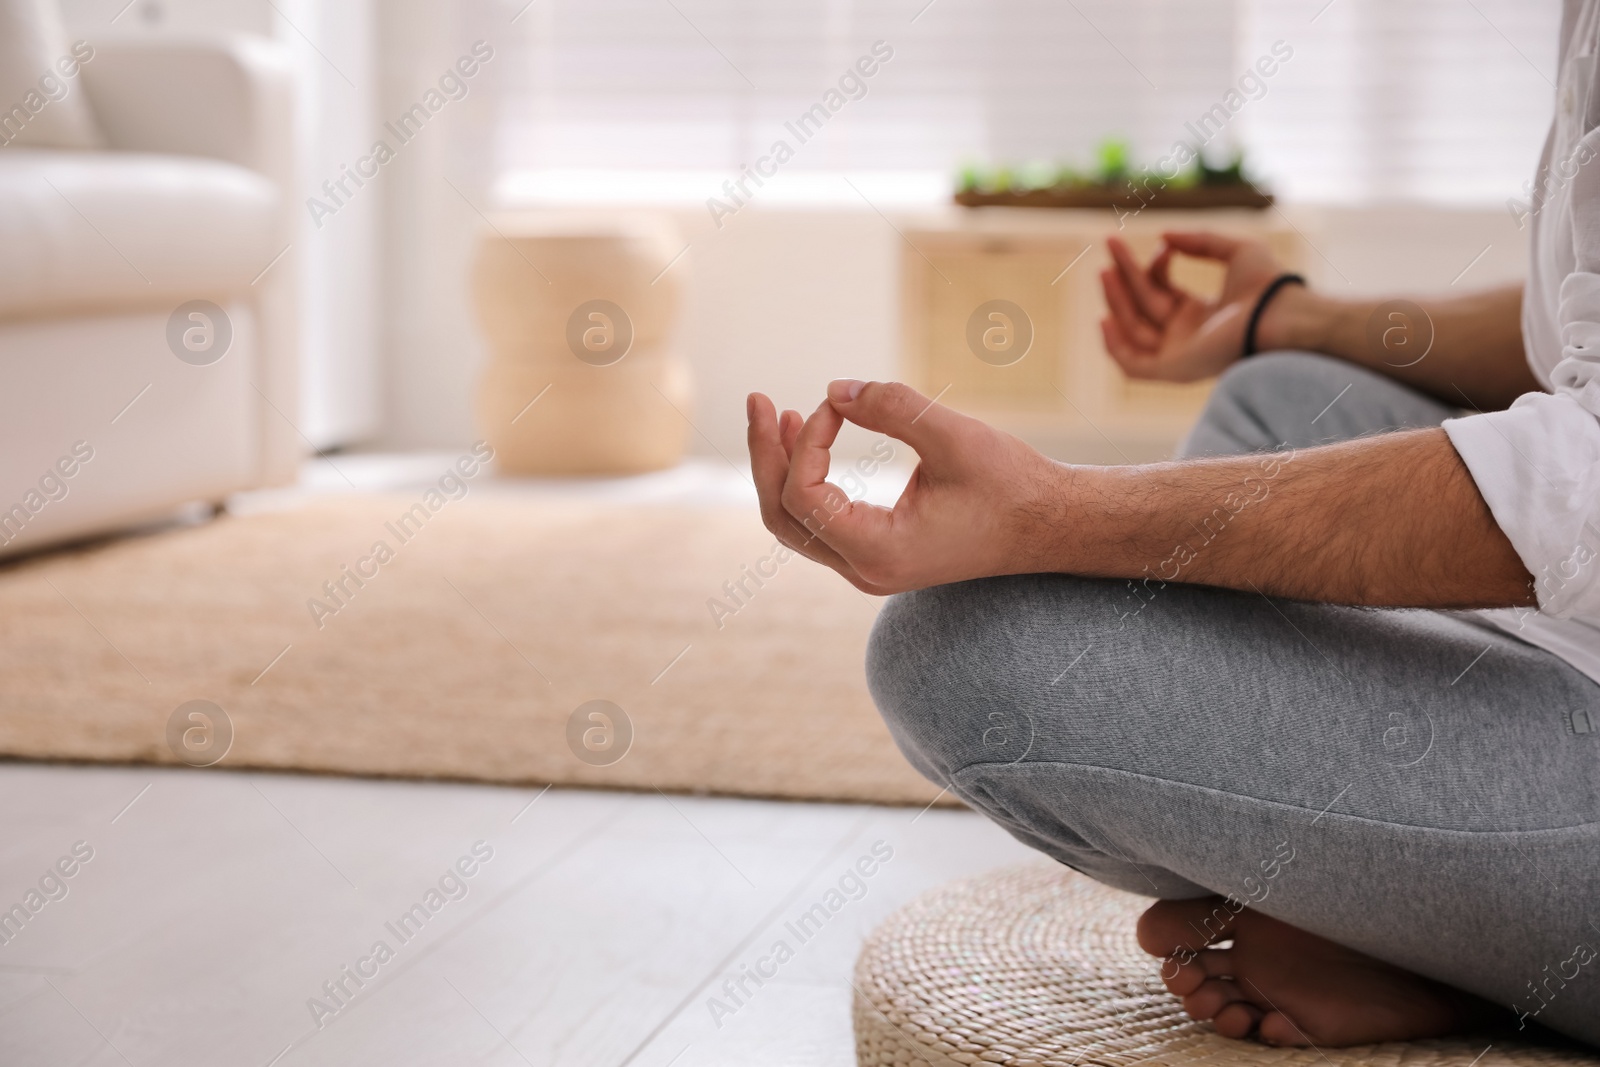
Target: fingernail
x=750, y=407
x=844, y=390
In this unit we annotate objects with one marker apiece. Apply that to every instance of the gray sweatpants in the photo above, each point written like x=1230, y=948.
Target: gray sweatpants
x=1404, y=782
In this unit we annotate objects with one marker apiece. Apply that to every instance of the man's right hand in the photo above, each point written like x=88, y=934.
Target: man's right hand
x=1158, y=330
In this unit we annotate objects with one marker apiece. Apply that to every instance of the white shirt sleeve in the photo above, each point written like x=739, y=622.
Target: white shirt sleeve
x=1537, y=463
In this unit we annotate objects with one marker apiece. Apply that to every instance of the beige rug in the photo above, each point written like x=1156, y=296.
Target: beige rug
x=463, y=656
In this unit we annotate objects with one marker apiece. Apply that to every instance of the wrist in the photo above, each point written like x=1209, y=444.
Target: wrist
x=1063, y=519
x=1298, y=318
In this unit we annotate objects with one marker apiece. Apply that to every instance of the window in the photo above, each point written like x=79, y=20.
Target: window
x=1445, y=101
x=1442, y=100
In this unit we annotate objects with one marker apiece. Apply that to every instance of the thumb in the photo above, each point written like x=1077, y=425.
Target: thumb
x=897, y=411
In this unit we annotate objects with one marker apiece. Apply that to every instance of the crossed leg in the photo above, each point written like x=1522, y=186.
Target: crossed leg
x=1377, y=820
x=1275, y=981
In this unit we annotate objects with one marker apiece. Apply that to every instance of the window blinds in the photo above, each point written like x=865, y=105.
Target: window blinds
x=1441, y=100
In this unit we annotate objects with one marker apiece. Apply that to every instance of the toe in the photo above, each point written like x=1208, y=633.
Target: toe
x=1174, y=927
x=1183, y=976
x=1277, y=1029
x=1237, y=1020
x=1208, y=1000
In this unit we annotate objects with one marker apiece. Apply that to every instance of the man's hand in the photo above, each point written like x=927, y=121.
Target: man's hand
x=1388, y=521
x=1157, y=330
x=1472, y=343
x=972, y=508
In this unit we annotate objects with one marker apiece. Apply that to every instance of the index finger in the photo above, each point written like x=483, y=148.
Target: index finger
x=1154, y=302
x=1161, y=267
x=808, y=496
x=770, y=466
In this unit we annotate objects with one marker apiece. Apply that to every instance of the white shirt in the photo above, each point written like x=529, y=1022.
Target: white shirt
x=1537, y=463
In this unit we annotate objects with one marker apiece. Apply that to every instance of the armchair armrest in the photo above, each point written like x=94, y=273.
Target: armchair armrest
x=232, y=99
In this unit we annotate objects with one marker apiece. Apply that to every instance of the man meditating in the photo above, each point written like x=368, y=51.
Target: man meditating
x=1258, y=682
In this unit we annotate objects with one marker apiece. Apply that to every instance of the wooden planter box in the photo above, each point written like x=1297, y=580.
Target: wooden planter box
x=1130, y=198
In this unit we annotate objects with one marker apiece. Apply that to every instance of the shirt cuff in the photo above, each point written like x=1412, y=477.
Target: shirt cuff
x=1537, y=465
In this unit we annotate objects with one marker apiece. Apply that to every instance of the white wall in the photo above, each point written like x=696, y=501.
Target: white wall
x=434, y=190
x=339, y=300
x=1406, y=249
x=783, y=300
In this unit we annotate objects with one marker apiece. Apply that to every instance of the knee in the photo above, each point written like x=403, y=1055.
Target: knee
x=1266, y=382
x=957, y=670
x=903, y=675
x=1258, y=403
x=1275, y=368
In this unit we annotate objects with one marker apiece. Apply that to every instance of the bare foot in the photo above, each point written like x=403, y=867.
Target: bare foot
x=1284, y=986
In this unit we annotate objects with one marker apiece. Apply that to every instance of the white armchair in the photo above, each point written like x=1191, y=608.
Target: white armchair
x=190, y=199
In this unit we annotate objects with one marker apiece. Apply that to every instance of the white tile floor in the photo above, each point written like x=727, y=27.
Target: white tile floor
x=218, y=903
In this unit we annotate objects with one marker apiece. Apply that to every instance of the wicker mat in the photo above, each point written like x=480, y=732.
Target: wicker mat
x=463, y=655
x=1036, y=966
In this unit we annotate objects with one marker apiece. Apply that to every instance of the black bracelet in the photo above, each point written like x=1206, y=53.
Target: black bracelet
x=1261, y=306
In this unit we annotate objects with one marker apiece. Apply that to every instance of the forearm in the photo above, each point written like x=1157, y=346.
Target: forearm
x=1391, y=521
x=1468, y=350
